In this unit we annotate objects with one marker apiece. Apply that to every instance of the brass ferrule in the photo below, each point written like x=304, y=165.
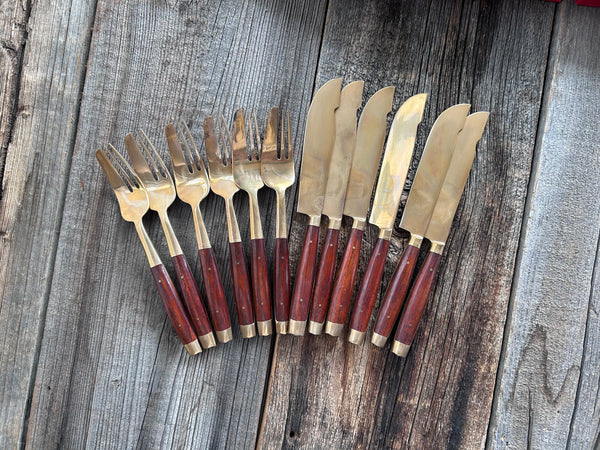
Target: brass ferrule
x=378, y=340
x=385, y=233
x=315, y=328
x=224, y=336
x=201, y=233
x=415, y=240
x=281, y=327
x=314, y=220
x=207, y=340
x=334, y=224
x=334, y=329
x=437, y=247
x=280, y=221
x=193, y=348
x=151, y=254
x=359, y=224
x=232, y=225
x=172, y=242
x=400, y=349
x=265, y=328
x=356, y=337
x=296, y=327
x=255, y=225
x=248, y=331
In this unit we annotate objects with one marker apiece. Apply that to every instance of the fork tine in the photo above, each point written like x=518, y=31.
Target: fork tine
x=269, y=144
x=190, y=144
x=290, y=154
x=251, y=137
x=137, y=158
x=126, y=170
x=258, y=141
x=153, y=155
x=227, y=150
x=174, y=144
x=114, y=178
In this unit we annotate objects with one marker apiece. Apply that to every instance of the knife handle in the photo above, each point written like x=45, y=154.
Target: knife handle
x=324, y=281
x=415, y=305
x=175, y=310
x=260, y=287
x=282, y=283
x=344, y=283
x=241, y=289
x=215, y=295
x=367, y=293
x=305, y=277
x=193, y=302
x=394, y=296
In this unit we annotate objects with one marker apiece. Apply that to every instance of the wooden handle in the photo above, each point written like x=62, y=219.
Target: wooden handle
x=324, y=280
x=173, y=306
x=367, y=293
x=415, y=305
x=282, y=280
x=305, y=276
x=191, y=296
x=260, y=283
x=344, y=282
x=241, y=284
x=215, y=295
x=395, y=294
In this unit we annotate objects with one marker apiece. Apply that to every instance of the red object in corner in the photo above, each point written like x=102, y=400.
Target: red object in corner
x=587, y=2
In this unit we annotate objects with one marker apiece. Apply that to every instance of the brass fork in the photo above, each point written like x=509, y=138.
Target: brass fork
x=246, y=172
x=277, y=171
x=222, y=183
x=133, y=203
x=159, y=185
x=193, y=186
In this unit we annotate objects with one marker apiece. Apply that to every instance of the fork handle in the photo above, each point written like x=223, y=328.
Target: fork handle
x=367, y=293
x=324, y=281
x=260, y=287
x=281, y=284
x=241, y=289
x=175, y=310
x=215, y=295
x=394, y=296
x=305, y=277
x=343, y=285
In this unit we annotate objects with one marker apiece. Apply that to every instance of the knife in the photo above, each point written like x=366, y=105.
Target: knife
x=398, y=153
x=319, y=139
x=417, y=212
x=333, y=203
x=369, y=146
x=439, y=228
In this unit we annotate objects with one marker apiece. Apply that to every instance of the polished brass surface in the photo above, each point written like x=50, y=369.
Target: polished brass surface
x=356, y=337
x=248, y=331
x=378, y=340
x=432, y=169
x=370, y=135
x=343, y=149
x=359, y=224
x=220, y=171
x=191, y=179
x=296, y=327
x=415, y=240
x=281, y=327
x=265, y=328
x=277, y=165
x=131, y=195
x=318, y=144
x=246, y=166
x=207, y=340
x=157, y=180
x=400, y=349
x=396, y=160
x=385, y=233
x=224, y=336
x=315, y=328
x=193, y=348
x=456, y=178
x=334, y=329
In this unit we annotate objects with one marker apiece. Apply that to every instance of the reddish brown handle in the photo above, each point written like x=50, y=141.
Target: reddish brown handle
x=367, y=293
x=191, y=296
x=260, y=281
x=417, y=299
x=241, y=284
x=282, y=280
x=173, y=305
x=344, y=282
x=325, y=274
x=305, y=275
x=396, y=292
x=215, y=295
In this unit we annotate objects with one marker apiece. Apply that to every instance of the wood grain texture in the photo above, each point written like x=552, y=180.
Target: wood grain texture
x=111, y=373
x=281, y=280
x=325, y=276
x=242, y=292
x=548, y=383
x=261, y=282
x=37, y=131
x=215, y=295
x=305, y=275
x=493, y=55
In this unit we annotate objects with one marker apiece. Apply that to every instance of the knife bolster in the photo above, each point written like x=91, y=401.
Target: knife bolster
x=314, y=221
x=415, y=240
x=437, y=247
x=385, y=234
x=359, y=224
x=334, y=224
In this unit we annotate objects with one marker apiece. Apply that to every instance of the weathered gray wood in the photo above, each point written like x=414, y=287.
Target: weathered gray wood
x=37, y=163
x=547, y=389
x=111, y=371
x=326, y=393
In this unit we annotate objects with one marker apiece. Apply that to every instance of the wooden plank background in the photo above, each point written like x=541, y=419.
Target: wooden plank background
x=507, y=353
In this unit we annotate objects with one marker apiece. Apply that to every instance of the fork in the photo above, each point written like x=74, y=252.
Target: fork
x=277, y=171
x=161, y=193
x=246, y=173
x=220, y=174
x=133, y=203
x=193, y=186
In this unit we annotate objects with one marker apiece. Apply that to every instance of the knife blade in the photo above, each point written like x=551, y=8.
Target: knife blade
x=439, y=228
x=335, y=194
x=318, y=144
x=417, y=212
x=396, y=160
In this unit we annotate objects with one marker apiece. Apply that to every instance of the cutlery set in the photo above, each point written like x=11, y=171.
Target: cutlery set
x=340, y=161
